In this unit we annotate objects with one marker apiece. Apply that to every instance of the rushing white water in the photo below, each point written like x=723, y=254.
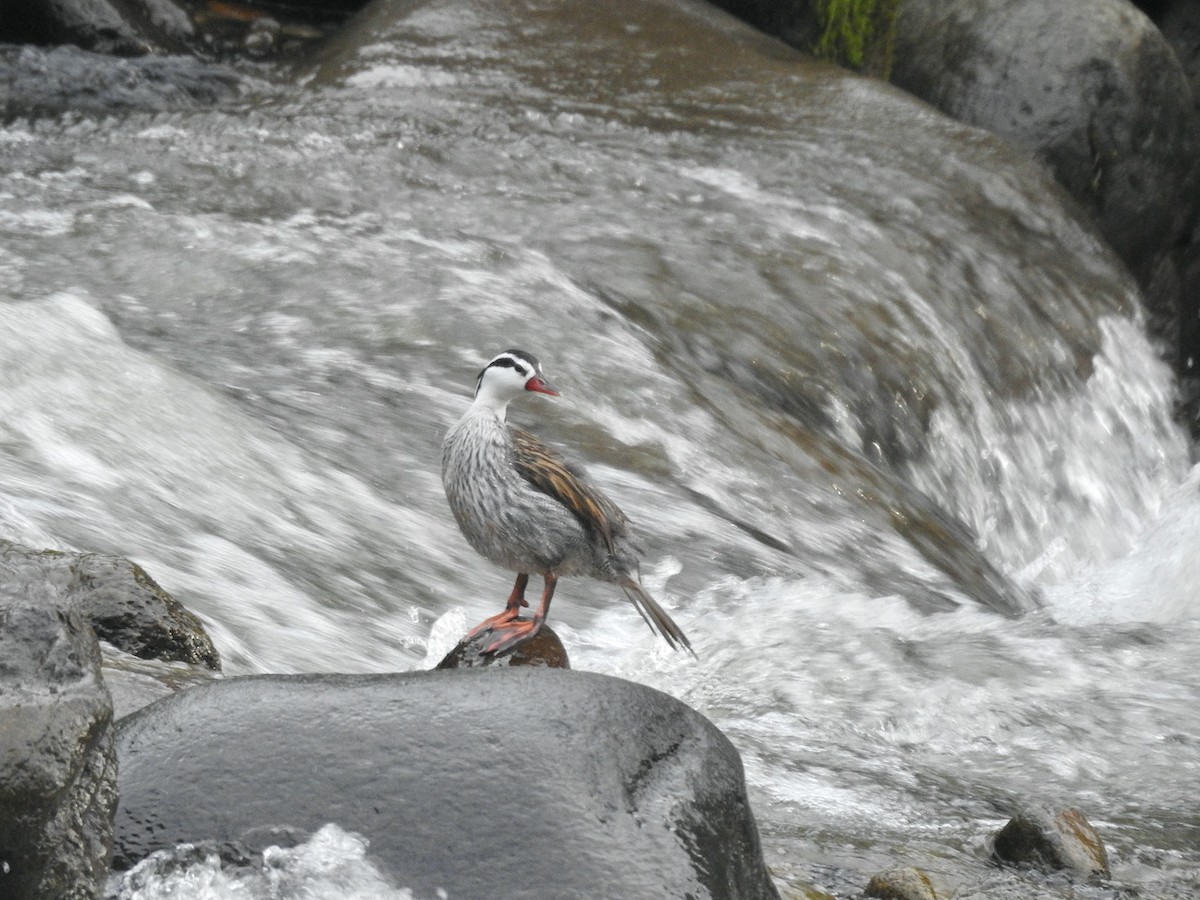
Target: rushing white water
x=230, y=342
x=332, y=863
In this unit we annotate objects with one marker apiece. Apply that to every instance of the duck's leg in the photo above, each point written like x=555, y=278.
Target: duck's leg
x=511, y=609
x=517, y=631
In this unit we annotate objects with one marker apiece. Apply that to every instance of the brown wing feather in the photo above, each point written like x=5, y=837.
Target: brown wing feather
x=553, y=475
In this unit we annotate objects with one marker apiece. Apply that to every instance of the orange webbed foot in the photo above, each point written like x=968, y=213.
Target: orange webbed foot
x=511, y=634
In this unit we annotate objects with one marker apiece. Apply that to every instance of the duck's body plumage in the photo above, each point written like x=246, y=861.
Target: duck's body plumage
x=506, y=516
x=524, y=507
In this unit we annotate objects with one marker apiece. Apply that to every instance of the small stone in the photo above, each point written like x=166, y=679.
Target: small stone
x=544, y=649
x=804, y=892
x=1052, y=839
x=262, y=36
x=904, y=883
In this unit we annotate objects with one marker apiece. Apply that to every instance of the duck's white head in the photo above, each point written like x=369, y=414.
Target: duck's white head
x=507, y=376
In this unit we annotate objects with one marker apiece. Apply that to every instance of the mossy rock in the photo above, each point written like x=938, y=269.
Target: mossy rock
x=904, y=883
x=1053, y=840
x=858, y=33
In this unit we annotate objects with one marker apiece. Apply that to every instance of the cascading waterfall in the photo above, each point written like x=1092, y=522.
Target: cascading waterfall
x=838, y=388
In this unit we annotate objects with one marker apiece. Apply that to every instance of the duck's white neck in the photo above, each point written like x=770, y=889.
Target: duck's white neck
x=491, y=401
x=489, y=406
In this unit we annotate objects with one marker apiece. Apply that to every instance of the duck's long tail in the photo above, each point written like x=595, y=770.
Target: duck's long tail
x=656, y=617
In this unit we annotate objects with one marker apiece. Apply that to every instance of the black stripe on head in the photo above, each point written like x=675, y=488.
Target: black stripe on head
x=527, y=358
x=525, y=364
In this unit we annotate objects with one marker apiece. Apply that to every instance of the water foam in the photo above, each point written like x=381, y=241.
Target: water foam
x=333, y=863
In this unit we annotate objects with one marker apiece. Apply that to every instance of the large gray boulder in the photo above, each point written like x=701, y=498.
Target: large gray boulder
x=57, y=765
x=57, y=762
x=1093, y=90
x=518, y=782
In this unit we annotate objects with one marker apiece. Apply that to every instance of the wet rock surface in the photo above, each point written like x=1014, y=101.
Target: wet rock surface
x=1100, y=98
x=133, y=28
x=1053, y=840
x=479, y=783
x=904, y=883
x=124, y=605
x=544, y=649
x=128, y=609
x=860, y=39
x=1180, y=25
x=93, y=24
x=57, y=763
x=134, y=683
x=38, y=82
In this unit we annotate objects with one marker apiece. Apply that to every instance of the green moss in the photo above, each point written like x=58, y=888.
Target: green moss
x=857, y=33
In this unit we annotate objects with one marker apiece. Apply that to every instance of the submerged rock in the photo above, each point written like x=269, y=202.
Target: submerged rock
x=57, y=763
x=36, y=82
x=91, y=24
x=1052, y=839
x=134, y=28
x=516, y=782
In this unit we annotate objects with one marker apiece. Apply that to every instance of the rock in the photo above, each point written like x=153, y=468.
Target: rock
x=133, y=28
x=57, y=762
x=543, y=649
x=269, y=30
x=1189, y=337
x=519, y=782
x=129, y=610
x=91, y=24
x=121, y=602
x=1052, y=839
x=130, y=691
x=904, y=883
x=1099, y=98
x=1180, y=25
x=263, y=36
x=134, y=683
x=805, y=892
x=164, y=22
x=124, y=28
x=37, y=82
x=1107, y=101
x=859, y=37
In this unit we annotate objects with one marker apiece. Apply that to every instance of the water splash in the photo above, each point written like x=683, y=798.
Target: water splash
x=1155, y=582
x=331, y=865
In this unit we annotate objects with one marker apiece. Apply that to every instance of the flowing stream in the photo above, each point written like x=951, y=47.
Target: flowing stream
x=881, y=406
